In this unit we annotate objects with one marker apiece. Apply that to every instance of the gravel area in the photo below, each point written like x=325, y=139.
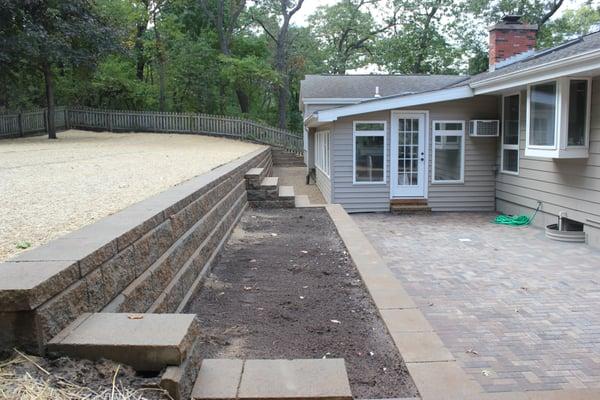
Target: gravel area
x=52, y=187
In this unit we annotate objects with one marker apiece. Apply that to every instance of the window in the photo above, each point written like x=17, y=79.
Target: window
x=322, y=152
x=448, y=151
x=558, y=114
x=369, y=152
x=542, y=103
x=578, y=90
x=510, y=134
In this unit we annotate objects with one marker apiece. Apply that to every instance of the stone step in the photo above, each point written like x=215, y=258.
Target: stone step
x=178, y=380
x=254, y=177
x=324, y=379
x=147, y=342
x=410, y=209
x=269, y=183
x=286, y=192
x=301, y=200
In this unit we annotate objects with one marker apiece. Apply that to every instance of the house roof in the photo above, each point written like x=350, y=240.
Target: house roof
x=540, y=57
x=363, y=86
x=581, y=55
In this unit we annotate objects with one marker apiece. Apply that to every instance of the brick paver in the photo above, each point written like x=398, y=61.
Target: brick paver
x=517, y=311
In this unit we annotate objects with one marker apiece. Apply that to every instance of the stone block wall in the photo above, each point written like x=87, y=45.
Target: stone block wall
x=149, y=257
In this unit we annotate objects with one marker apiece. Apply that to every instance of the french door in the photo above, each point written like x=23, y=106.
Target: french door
x=408, y=168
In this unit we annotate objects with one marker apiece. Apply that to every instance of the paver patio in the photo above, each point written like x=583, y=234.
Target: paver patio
x=518, y=311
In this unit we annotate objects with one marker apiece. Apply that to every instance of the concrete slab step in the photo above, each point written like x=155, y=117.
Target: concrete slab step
x=301, y=200
x=324, y=379
x=269, y=183
x=147, y=342
x=286, y=192
x=254, y=173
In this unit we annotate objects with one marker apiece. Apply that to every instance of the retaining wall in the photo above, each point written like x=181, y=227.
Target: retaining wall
x=148, y=257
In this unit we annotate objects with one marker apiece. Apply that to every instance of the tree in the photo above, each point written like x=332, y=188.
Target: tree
x=224, y=18
x=49, y=34
x=571, y=24
x=418, y=43
x=347, y=32
x=283, y=10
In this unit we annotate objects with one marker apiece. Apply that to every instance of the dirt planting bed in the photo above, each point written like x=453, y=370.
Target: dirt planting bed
x=286, y=288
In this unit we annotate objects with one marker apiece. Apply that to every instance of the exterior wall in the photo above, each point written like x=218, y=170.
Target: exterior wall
x=572, y=186
x=323, y=181
x=361, y=197
x=475, y=194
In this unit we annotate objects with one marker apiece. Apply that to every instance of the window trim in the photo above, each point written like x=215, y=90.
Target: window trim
x=511, y=146
x=325, y=168
x=560, y=149
x=460, y=133
x=356, y=134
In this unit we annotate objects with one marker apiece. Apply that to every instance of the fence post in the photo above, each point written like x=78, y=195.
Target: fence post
x=109, y=118
x=20, y=122
x=67, y=122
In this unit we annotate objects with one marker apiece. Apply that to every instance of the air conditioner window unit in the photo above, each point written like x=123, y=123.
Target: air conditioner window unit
x=484, y=127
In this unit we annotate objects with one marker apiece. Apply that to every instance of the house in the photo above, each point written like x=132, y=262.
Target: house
x=523, y=134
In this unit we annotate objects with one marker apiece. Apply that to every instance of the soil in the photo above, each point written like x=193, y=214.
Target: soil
x=286, y=288
x=64, y=378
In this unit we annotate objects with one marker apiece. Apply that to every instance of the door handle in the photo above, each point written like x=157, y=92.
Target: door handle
x=422, y=156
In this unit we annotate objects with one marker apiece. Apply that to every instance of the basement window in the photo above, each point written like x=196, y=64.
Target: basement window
x=558, y=115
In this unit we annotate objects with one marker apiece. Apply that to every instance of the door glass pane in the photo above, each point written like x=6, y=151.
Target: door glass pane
x=577, y=112
x=369, y=158
x=543, y=114
x=408, y=152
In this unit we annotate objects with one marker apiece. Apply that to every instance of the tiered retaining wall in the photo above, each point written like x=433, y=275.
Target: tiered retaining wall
x=148, y=257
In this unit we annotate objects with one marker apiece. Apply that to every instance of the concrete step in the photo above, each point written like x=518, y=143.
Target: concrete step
x=269, y=183
x=147, y=342
x=254, y=177
x=286, y=192
x=272, y=379
x=179, y=380
x=301, y=200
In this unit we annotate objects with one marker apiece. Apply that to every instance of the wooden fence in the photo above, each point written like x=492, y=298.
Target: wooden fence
x=20, y=124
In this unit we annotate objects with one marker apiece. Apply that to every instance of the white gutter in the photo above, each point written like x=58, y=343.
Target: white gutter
x=576, y=64
x=388, y=103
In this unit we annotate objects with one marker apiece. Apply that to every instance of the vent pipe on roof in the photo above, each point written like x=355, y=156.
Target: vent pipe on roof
x=377, y=92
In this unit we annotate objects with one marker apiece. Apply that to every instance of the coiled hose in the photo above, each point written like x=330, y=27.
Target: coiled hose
x=517, y=220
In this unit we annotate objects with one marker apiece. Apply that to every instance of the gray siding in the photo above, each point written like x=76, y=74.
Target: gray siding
x=360, y=197
x=566, y=185
x=475, y=194
x=478, y=190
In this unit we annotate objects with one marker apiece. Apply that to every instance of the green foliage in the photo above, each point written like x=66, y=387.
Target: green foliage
x=113, y=53
x=570, y=24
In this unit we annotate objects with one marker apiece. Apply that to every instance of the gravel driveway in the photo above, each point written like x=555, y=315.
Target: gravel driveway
x=49, y=188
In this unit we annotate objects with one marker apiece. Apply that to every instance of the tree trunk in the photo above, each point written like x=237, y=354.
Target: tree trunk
x=162, y=85
x=139, y=52
x=281, y=67
x=49, y=79
x=243, y=100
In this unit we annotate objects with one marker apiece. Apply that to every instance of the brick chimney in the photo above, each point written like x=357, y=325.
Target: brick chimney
x=510, y=37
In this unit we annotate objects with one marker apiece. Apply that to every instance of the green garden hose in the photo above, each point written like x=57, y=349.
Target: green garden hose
x=517, y=220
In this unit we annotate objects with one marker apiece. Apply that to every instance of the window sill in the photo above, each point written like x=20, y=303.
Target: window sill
x=569, y=152
x=447, y=182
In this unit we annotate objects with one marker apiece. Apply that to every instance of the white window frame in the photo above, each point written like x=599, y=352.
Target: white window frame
x=560, y=149
x=446, y=133
x=356, y=134
x=322, y=152
x=510, y=146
